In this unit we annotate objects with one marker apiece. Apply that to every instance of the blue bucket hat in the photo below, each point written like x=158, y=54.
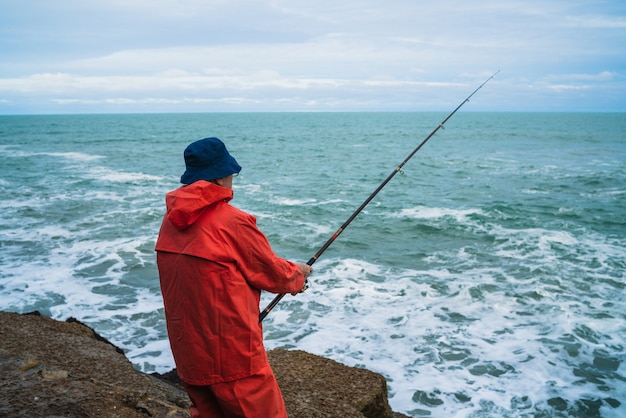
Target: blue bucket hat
x=208, y=159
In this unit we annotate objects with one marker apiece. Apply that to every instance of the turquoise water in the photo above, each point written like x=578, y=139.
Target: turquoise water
x=486, y=280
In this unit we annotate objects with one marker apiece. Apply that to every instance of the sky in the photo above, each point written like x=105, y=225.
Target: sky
x=145, y=56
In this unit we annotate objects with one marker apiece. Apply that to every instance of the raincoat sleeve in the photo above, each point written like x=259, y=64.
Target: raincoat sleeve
x=258, y=263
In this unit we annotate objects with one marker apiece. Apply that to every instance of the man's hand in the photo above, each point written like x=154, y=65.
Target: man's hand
x=306, y=272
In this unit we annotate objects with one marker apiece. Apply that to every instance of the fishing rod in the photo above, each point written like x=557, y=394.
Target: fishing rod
x=397, y=170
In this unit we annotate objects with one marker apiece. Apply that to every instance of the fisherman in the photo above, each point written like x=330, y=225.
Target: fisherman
x=213, y=262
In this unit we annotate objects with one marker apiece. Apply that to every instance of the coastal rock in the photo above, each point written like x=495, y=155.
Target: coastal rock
x=52, y=368
x=315, y=386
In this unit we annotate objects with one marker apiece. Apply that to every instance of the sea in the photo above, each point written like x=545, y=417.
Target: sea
x=487, y=278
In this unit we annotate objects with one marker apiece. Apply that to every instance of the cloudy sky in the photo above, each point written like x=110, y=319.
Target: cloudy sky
x=103, y=56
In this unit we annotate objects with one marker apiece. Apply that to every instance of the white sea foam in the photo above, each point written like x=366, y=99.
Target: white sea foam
x=412, y=333
x=247, y=188
x=535, y=191
x=106, y=174
x=424, y=212
x=294, y=202
x=317, y=230
x=155, y=356
x=76, y=156
x=329, y=202
x=12, y=152
x=547, y=238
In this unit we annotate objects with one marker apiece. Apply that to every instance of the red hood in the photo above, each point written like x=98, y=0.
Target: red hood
x=186, y=204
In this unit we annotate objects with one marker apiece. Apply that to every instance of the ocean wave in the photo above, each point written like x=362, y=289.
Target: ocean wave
x=293, y=202
x=425, y=212
x=440, y=336
x=76, y=156
x=107, y=174
x=11, y=152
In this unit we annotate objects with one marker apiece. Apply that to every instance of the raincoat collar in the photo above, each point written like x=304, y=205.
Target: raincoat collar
x=186, y=204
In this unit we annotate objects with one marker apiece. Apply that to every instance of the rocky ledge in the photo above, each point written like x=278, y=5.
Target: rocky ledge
x=51, y=369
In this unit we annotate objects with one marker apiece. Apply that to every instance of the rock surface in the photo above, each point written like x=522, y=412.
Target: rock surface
x=52, y=369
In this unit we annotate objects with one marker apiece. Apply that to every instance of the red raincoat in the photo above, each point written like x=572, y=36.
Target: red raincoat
x=213, y=263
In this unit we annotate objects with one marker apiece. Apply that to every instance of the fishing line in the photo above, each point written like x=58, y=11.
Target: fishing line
x=397, y=170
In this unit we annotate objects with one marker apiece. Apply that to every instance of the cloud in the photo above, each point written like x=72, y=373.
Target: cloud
x=215, y=87
x=601, y=76
x=596, y=22
x=286, y=55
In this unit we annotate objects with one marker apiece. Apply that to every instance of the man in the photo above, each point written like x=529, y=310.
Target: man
x=213, y=262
